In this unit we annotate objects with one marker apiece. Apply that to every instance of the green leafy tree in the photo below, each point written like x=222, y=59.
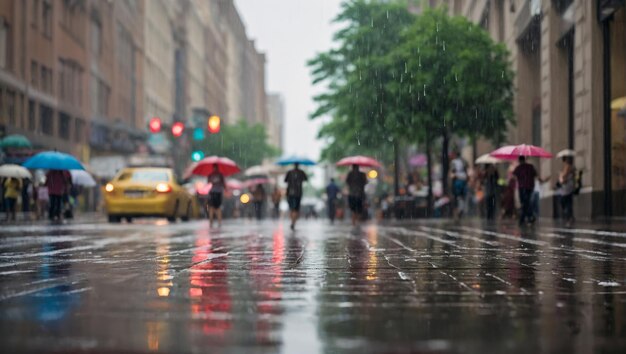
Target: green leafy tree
x=244, y=143
x=456, y=81
x=357, y=75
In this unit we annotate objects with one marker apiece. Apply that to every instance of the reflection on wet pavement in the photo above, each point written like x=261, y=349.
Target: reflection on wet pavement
x=256, y=287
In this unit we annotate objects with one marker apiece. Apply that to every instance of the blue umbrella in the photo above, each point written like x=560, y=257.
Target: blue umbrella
x=53, y=160
x=295, y=159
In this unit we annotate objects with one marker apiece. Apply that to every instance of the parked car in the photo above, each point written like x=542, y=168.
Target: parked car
x=148, y=192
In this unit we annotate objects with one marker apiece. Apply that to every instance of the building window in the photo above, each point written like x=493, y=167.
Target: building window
x=34, y=73
x=96, y=36
x=10, y=102
x=4, y=44
x=34, y=19
x=70, y=81
x=32, y=113
x=73, y=19
x=46, y=14
x=46, y=79
x=79, y=131
x=64, y=126
x=46, y=120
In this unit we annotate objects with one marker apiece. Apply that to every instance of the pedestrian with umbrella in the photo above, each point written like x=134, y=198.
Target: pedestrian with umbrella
x=58, y=178
x=356, y=181
x=489, y=180
x=525, y=174
x=216, y=169
x=294, y=179
x=12, y=189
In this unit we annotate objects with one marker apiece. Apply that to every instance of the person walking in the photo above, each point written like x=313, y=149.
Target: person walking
x=294, y=180
x=258, y=196
x=42, y=200
x=216, y=193
x=276, y=195
x=567, y=186
x=356, y=181
x=12, y=190
x=458, y=173
x=525, y=175
x=331, y=199
x=490, y=187
x=57, y=182
x=27, y=193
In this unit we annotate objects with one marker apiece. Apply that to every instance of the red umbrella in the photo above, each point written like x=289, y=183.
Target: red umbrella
x=358, y=160
x=204, y=167
x=514, y=151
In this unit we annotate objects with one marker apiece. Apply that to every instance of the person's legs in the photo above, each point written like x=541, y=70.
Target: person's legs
x=490, y=204
x=526, y=212
x=567, y=207
x=294, y=207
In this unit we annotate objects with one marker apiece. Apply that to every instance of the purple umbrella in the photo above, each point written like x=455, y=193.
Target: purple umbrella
x=419, y=160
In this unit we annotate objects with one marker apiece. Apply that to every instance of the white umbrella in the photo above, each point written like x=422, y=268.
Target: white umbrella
x=82, y=178
x=488, y=160
x=14, y=171
x=565, y=153
x=264, y=170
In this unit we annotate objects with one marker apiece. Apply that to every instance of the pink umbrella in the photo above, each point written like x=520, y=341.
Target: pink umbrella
x=510, y=152
x=419, y=160
x=358, y=160
x=204, y=167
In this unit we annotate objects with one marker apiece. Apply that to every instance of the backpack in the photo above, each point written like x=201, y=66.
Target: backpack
x=578, y=182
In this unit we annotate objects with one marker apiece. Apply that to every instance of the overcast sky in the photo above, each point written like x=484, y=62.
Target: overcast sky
x=290, y=32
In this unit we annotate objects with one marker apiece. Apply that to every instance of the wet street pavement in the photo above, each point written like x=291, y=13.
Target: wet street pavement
x=421, y=287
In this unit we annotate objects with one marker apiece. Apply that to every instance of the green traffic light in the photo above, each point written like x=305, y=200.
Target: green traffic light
x=197, y=155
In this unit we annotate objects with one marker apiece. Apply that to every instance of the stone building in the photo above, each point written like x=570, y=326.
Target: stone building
x=70, y=76
x=569, y=57
x=275, y=120
x=245, y=72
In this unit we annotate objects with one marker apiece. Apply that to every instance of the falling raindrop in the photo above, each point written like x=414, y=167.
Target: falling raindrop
x=444, y=46
x=456, y=78
x=406, y=68
x=437, y=26
x=424, y=90
x=503, y=74
x=387, y=13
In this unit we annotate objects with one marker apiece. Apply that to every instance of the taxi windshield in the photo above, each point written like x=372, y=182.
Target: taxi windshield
x=144, y=176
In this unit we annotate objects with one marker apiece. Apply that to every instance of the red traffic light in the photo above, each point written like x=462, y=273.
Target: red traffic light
x=214, y=124
x=177, y=129
x=155, y=125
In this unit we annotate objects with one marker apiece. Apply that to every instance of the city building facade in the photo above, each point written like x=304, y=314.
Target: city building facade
x=569, y=58
x=86, y=76
x=276, y=120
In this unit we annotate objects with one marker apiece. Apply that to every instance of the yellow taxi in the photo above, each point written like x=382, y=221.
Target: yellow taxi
x=145, y=192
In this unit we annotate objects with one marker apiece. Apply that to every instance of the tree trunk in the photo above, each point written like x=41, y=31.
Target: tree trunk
x=445, y=162
x=429, y=168
x=396, y=169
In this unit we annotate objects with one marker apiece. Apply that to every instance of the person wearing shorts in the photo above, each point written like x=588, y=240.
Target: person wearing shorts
x=294, y=180
x=356, y=181
x=218, y=185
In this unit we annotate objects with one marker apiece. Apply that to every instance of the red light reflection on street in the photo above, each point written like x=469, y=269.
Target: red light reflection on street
x=209, y=291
